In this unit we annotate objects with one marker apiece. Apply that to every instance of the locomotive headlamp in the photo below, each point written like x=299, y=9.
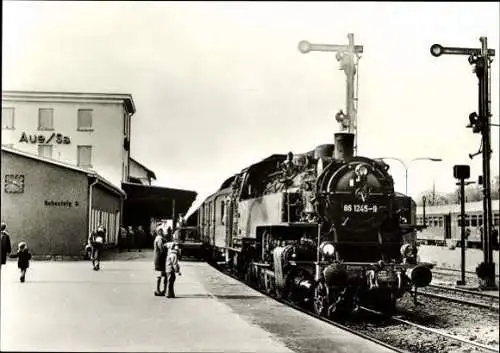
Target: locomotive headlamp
x=361, y=170
x=406, y=250
x=327, y=249
x=409, y=253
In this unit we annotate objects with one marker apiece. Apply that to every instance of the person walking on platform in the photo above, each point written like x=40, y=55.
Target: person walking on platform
x=122, y=241
x=140, y=236
x=172, y=267
x=159, y=260
x=96, y=241
x=5, y=247
x=23, y=259
x=130, y=237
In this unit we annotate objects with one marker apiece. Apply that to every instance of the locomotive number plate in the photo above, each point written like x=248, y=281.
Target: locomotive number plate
x=353, y=208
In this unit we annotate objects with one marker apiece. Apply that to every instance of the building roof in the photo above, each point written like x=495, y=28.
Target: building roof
x=149, y=172
x=35, y=96
x=89, y=172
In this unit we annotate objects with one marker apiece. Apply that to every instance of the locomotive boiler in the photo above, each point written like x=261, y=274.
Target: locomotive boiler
x=324, y=229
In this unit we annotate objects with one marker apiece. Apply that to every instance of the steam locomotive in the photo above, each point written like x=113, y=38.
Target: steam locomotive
x=323, y=229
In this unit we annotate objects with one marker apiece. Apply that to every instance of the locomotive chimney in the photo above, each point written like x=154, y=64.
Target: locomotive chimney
x=344, y=146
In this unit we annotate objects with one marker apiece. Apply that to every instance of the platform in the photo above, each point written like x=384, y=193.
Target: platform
x=65, y=306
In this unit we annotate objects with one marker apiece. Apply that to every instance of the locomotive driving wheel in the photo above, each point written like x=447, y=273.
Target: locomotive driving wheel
x=320, y=300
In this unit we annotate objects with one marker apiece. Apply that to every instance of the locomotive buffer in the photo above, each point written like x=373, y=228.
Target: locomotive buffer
x=480, y=122
x=346, y=55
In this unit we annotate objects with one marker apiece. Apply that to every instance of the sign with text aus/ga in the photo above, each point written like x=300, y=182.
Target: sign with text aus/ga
x=39, y=138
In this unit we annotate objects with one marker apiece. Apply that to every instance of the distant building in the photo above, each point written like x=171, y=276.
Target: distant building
x=139, y=174
x=83, y=133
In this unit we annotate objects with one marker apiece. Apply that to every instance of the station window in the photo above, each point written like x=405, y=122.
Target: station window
x=7, y=118
x=85, y=156
x=45, y=119
x=496, y=219
x=222, y=212
x=441, y=222
x=85, y=119
x=45, y=151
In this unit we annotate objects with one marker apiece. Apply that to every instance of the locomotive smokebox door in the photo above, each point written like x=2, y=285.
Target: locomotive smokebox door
x=461, y=171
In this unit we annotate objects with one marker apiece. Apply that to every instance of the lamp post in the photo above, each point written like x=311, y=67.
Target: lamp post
x=407, y=166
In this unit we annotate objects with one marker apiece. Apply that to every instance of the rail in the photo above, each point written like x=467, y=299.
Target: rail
x=485, y=296
x=461, y=290
x=438, y=332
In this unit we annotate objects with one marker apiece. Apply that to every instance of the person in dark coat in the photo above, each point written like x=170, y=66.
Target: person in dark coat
x=5, y=247
x=494, y=238
x=122, y=241
x=130, y=237
x=23, y=259
x=140, y=237
x=159, y=260
x=96, y=241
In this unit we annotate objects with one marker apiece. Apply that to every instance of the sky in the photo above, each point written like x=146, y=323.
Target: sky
x=221, y=85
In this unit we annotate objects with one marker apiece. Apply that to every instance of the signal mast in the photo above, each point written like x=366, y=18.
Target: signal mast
x=480, y=122
x=348, y=56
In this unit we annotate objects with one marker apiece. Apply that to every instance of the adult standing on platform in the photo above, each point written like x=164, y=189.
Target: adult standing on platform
x=5, y=245
x=159, y=260
x=140, y=236
x=122, y=242
x=130, y=237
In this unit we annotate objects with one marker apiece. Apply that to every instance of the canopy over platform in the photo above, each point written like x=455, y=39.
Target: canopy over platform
x=144, y=202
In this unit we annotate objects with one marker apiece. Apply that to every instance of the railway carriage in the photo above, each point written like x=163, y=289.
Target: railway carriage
x=190, y=242
x=443, y=224
x=324, y=229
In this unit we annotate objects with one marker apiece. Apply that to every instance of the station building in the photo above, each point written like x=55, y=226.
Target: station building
x=53, y=205
x=71, y=154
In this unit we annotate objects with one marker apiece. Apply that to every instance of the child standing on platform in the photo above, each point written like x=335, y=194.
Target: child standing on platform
x=23, y=259
x=172, y=267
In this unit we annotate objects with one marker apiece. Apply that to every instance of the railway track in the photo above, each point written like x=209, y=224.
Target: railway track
x=461, y=296
x=435, y=331
x=453, y=272
x=370, y=336
x=307, y=312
